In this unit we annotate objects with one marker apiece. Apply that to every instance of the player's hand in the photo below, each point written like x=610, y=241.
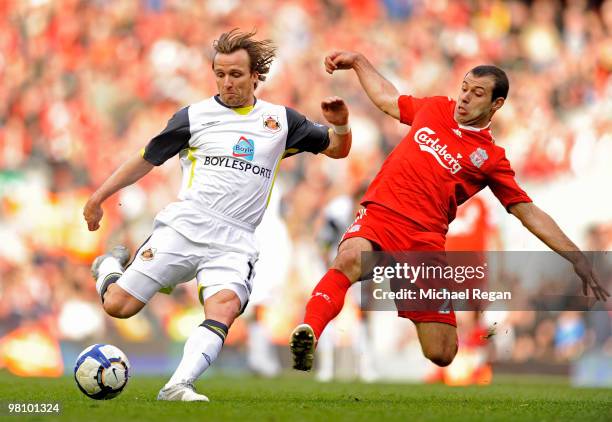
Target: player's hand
x=584, y=270
x=335, y=110
x=339, y=60
x=93, y=214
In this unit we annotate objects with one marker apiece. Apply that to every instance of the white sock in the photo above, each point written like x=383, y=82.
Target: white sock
x=325, y=354
x=261, y=355
x=201, y=349
x=109, y=266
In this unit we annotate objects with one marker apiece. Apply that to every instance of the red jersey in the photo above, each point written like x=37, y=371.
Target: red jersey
x=439, y=165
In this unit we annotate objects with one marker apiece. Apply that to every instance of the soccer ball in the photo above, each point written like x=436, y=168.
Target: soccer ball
x=101, y=371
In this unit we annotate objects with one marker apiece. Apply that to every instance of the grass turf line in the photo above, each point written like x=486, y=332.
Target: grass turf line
x=301, y=398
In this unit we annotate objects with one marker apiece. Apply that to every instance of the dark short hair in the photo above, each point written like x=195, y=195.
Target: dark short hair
x=501, y=86
x=261, y=53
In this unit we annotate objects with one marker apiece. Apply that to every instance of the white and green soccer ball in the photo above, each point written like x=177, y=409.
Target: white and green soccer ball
x=101, y=371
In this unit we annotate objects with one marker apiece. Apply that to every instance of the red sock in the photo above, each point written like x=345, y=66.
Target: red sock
x=327, y=300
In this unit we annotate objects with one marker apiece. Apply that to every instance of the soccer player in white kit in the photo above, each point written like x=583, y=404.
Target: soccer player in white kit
x=230, y=147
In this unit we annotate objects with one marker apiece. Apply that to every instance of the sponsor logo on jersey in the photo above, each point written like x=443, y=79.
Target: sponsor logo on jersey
x=244, y=148
x=427, y=141
x=271, y=123
x=237, y=164
x=478, y=157
x=457, y=132
x=148, y=254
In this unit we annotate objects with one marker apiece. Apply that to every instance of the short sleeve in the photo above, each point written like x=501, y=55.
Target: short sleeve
x=304, y=135
x=171, y=140
x=503, y=185
x=408, y=107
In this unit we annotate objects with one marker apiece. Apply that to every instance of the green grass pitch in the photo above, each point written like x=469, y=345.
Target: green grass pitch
x=296, y=398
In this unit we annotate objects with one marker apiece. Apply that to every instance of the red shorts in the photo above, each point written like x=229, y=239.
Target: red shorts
x=391, y=232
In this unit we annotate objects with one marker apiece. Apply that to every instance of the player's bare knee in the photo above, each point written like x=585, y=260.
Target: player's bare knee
x=349, y=262
x=116, y=309
x=223, y=307
x=227, y=309
x=438, y=358
x=441, y=356
x=120, y=305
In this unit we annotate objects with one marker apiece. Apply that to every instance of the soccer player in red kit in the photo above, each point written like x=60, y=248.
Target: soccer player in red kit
x=447, y=157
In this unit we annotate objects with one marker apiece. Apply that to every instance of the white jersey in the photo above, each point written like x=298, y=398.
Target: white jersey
x=229, y=158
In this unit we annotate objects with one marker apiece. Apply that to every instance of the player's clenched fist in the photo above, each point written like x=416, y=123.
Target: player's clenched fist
x=93, y=214
x=339, y=60
x=335, y=110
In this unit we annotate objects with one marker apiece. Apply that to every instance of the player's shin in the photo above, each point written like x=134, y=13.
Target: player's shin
x=106, y=269
x=109, y=272
x=327, y=300
x=201, y=349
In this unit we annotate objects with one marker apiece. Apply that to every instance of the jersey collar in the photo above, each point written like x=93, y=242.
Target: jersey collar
x=473, y=128
x=486, y=130
x=239, y=110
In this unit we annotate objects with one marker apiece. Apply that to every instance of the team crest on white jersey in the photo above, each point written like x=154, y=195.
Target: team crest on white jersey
x=148, y=254
x=478, y=157
x=271, y=123
x=424, y=137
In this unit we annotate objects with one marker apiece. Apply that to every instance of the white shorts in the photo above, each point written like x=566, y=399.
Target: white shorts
x=167, y=258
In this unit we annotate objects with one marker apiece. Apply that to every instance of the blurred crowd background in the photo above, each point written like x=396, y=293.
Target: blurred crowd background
x=86, y=84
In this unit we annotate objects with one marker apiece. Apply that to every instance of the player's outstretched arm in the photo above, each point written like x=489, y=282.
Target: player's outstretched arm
x=382, y=92
x=129, y=172
x=336, y=112
x=546, y=229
